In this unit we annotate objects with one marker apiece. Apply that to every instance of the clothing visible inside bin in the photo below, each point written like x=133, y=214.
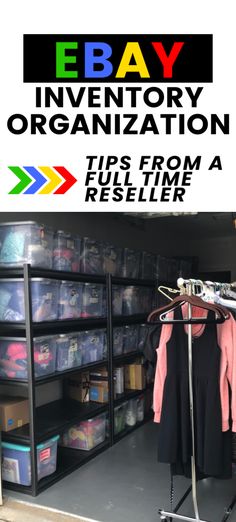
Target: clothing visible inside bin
x=112, y=259
x=142, y=336
x=44, y=293
x=13, y=357
x=91, y=258
x=118, y=334
x=69, y=352
x=93, y=345
x=117, y=299
x=87, y=434
x=70, y=300
x=131, y=305
x=66, y=252
x=130, y=339
x=131, y=263
x=25, y=242
x=92, y=300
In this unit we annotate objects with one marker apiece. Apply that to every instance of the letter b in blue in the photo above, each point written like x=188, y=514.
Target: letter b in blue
x=105, y=52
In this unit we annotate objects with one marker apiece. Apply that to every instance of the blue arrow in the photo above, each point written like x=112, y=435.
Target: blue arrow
x=40, y=180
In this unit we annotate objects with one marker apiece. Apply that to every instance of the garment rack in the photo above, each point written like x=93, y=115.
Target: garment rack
x=186, y=286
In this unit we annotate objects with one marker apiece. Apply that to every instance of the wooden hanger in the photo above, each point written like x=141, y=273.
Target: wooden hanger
x=221, y=312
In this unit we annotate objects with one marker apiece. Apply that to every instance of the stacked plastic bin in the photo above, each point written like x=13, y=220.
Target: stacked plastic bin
x=25, y=242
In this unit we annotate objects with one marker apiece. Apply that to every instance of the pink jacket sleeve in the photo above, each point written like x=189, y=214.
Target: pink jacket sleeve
x=226, y=333
x=161, y=370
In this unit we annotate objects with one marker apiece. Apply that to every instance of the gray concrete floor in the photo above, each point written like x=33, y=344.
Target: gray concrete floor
x=126, y=484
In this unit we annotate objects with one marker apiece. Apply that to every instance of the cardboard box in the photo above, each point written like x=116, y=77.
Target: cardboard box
x=135, y=378
x=14, y=412
x=77, y=387
x=98, y=391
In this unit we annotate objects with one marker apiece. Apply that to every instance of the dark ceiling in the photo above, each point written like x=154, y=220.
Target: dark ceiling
x=202, y=224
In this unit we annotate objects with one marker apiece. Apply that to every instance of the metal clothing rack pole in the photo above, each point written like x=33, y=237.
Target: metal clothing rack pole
x=165, y=515
x=190, y=384
x=174, y=515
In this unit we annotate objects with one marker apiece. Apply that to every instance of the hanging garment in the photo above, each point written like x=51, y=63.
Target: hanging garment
x=226, y=337
x=212, y=446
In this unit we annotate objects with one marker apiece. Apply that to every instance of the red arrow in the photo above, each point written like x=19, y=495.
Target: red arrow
x=69, y=180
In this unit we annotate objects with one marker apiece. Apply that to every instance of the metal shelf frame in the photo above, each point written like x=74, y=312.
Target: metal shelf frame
x=34, y=433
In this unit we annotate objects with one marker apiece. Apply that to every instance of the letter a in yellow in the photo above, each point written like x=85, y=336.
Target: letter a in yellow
x=132, y=50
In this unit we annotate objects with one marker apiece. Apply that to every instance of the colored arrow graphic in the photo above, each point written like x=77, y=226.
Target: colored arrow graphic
x=69, y=180
x=53, y=180
x=24, y=180
x=42, y=180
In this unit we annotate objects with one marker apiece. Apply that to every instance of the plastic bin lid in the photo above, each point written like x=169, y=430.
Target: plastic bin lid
x=45, y=280
x=33, y=279
x=43, y=444
x=18, y=447
x=14, y=223
x=70, y=283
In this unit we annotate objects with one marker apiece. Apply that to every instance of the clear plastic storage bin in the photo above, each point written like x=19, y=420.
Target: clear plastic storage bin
x=131, y=263
x=70, y=300
x=161, y=268
x=131, y=413
x=69, y=352
x=93, y=345
x=140, y=408
x=44, y=294
x=118, y=334
x=92, y=297
x=130, y=338
x=16, y=465
x=13, y=357
x=147, y=265
x=91, y=257
x=66, y=252
x=112, y=259
x=119, y=418
x=142, y=337
x=87, y=434
x=25, y=242
x=117, y=300
x=104, y=302
x=144, y=300
x=131, y=302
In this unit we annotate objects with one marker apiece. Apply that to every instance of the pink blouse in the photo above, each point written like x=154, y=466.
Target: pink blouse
x=226, y=335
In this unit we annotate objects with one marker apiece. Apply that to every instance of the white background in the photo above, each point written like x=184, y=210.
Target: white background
x=210, y=191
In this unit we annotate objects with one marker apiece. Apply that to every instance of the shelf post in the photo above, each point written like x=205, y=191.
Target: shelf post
x=31, y=378
x=110, y=356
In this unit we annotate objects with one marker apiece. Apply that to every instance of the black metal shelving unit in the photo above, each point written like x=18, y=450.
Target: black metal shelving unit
x=54, y=418
x=57, y=416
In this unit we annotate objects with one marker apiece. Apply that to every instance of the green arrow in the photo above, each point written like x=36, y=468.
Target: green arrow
x=25, y=180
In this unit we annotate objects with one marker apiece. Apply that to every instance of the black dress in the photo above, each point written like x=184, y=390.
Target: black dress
x=212, y=446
